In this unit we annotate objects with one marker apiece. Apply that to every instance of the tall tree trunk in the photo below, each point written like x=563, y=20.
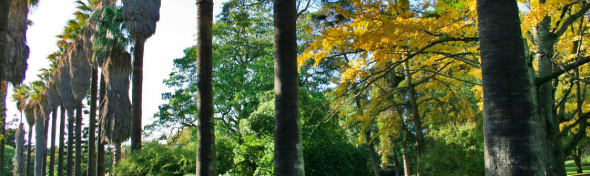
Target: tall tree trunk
x=543, y=54
x=100, y=167
x=513, y=141
x=4, y=9
x=39, y=145
x=45, y=134
x=415, y=115
x=52, y=149
x=397, y=164
x=28, y=165
x=3, y=92
x=577, y=156
x=374, y=156
x=78, y=163
x=288, y=154
x=405, y=160
x=206, y=136
x=136, y=95
x=70, y=159
x=19, y=162
x=92, y=122
x=62, y=127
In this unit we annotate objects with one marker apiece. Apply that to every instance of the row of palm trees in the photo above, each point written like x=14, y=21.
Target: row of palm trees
x=95, y=40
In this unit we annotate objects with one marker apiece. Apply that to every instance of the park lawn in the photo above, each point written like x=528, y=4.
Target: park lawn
x=570, y=167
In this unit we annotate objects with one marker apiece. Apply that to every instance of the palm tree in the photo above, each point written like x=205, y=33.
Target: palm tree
x=288, y=148
x=20, y=96
x=3, y=93
x=68, y=102
x=206, y=145
x=512, y=144
x=4, y=11
x=140, y=18
x=17, y=51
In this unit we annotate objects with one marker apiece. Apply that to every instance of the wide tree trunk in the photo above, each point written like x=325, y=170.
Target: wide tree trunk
x=4, y=6
x=52, y=149
x=28, y=165
x=92, y=122
x=136, y=99
x=3, y=93
x=206, y=136
x=513, y=141
x=100, y=167
x=78, y=162
x=70, y=157
x=62, y=127
x=288, y=154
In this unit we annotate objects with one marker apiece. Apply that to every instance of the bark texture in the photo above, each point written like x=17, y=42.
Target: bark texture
x=206, y=136
x=52, y=149
x=136, y=97
x=288, y=154
x=92, y=123
x=100, y=149
x=62, y=127
x=513, y=145
x=78, y=162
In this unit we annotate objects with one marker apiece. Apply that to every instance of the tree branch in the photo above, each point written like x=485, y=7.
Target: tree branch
x=546, y=78
x=571, y=20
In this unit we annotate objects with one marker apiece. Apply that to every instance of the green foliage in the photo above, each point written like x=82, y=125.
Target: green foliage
x=158, y=159
x=8, y=157
x=455, y=149
x=339, y=159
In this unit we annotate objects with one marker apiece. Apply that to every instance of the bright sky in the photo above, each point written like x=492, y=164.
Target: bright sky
x=175, y=31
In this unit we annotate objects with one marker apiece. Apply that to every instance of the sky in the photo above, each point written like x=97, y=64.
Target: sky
x=175, y=31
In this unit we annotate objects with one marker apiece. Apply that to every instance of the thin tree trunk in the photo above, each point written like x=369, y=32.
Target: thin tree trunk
x=78, y=162
x=92, y=122
x=577, y=156
x=406, y=163
x=19, y=162
x=100, y=167
x=397, y=164
x=513, y=136
x=374, y=156
x=39, y=145
x=45, y=134
x=206, y=135
x=288, y=154
x=52, y=152
x=136, y=95
x=28, y=166
x=415, y=115
x=70, y=159
x=3, y=93
x=62, y=127
x=547, y=117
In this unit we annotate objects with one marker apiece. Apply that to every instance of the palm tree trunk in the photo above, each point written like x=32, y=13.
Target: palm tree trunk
x=62, y=127
x=100, y=167
x=28, y=165
x=513, y=145
x=39, y=145
x=70, y=159
x=3, y=89
x=92, y=122
x=288, y=153
x=78, y=166
x=4, y=6
x=206, y=135
x=137, y=93
x=52, y=152
x=45, y=134
x=19, y=169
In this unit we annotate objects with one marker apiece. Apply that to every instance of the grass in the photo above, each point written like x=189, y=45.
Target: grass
x=570, y=167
